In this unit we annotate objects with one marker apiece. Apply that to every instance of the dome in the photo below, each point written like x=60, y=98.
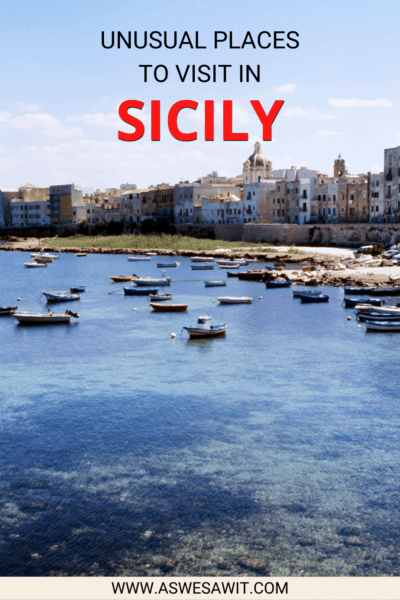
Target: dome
x=258, y=159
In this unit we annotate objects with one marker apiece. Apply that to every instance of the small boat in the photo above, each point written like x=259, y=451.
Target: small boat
x=229, y=263
x=47, y=318
x=132, y=291
x=352, y=302
x=204, y=329
x=60, y=296
x=230, y=266
x=35, y=265
x=382, y=310
x=7, y=310
x=216, y=283
x=278, y=284
x=357, y=290
x=168, y=307
x=202, y=267
x=152, y=281
x=45, y=255
x=78, y=290
x=300, y=293
x=320, y=298
x=383, y=325
x=41, y=259
x=123, y=278
x=151, y=253
x=81, y=254
x=135, y=258
x=235, y=300
x=374, y=316
x=160, y=297
x=385, y=291
x=167, y=265
x=201, y=259
x=232, y=274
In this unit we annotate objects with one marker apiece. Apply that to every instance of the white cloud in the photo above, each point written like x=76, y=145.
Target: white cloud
x=44, y=123
x=353, y=102
x=326, y=132
x=98, y=120
x=298, y=111
x=324, y=118
x=4, y=116
x=27, y=107
x=289, y=88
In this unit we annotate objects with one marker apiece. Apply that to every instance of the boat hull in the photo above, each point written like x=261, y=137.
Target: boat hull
x=382, y=326
x=139, y=291
x=61, y=297
x=168, y=307
x=146, y=282
x=46, y=319
x=229, y=300
x=310, y=299
x=277, y=284
x=214, y=283
x=200, y=332
x=7, y=310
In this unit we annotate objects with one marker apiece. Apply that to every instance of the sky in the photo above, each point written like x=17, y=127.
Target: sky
x=61, y=89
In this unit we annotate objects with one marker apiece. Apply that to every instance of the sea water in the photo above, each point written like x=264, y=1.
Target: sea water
x=272, y=451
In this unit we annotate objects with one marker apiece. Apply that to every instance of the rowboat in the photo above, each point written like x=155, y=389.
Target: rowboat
x=383, y=325
x=41, y=259
x=230, y=266
x=132, y=291
x=204, y=329
x=232, y=274
x=149, y=281
x=60, y=296
x=202, y=267
x=215, y=283
x=278, y=284
x=168, y=307
x=160, y=297
x=300, y=293
x=81, y=254
x=229, y=263
x=309, y=298
x=45, y=255
x=35, y=265
x=352, y=302
x=235, y=300
x=7, y=310
x=201, y=259
x=382, y=310
x=123, y=278
x=139, y=258
x=374, y=291
x=167, y=265
x=374, y=316
x=44, y=319
x=78, y=290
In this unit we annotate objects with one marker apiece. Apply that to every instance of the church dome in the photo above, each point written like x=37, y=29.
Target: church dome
x=258, y=159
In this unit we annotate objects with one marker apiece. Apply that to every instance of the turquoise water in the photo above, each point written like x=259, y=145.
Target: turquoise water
x=272, y=451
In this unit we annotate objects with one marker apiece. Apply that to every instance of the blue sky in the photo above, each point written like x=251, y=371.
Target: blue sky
x=61, y=90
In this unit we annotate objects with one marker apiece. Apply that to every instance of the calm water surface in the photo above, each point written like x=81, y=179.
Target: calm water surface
x=272, y=451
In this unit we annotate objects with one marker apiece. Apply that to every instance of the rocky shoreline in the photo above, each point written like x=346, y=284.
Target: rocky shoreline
x=327, y=268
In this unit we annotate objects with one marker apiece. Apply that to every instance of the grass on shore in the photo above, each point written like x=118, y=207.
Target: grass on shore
x=163, y=242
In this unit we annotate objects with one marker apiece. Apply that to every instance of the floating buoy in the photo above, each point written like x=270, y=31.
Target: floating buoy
x=349, y=318
x=173, y=335
x=19, y=299
x=358, y=325
x=135, y=309
x=261, y=297
x=213, y=301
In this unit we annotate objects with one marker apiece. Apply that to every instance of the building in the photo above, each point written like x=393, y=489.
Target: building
x=376, y=199
x=392, y=185
x=25, y=214
x=257, y=166
x=61, y=200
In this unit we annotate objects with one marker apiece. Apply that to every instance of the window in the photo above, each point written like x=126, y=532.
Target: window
x=274, y=213
x=319, y=197
x=343, y=209
x=334, y=198
x=334, y=211
x=324, y=212
x=304, y=207
x=324, y=198
x=376, y=208
x=283, y=213
x=352, y=211
x=329, y=211
x=304, y=193
x=279, y=189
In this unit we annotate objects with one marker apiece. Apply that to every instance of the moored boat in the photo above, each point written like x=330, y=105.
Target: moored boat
x=230, y=266
x=202, y=267
x=168, y=307
x=123, y=278
x=41, y=259
x=357, y=290
x=216, y=283
x=152, y=281
x=232, y=274
x=132, y=291
x=160, y=297
x=137, y=258
x=278, y=284
x=201, y=259
x=78, y=290
x=7, y=310
x=308, y=298
x=167, y=265
x=235, y=300
x=81, y=254
x=204, y=329
x=60, y=296
x=44, y=319
x=376, y=316
x=300, y=293
x=352, y=302
x=383, y=325
x=35, y=265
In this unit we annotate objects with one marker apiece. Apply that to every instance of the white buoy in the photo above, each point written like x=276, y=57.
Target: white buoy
x=19, y=299
x=135, y=309
x=213, y=301
x=358, y=325
x=261, y=297
x=349, y=318
x=173, y=335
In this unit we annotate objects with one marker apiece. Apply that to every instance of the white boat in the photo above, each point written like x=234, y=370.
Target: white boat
x=139, y=258
x=47, y=318
x=215, y=283
x=236, y=261
x=60, y=296
x=201, y=259
x=235, y=300
x=152, y=281
x=230, y=266
x=34, y=265
x=204, y=329
x=383, y=325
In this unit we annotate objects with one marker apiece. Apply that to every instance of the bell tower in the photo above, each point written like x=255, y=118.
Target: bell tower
x=339, y=167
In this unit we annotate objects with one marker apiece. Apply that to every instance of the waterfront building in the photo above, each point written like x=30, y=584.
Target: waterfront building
x=188, y=196
x=294, y=174
x=125, y=187
x=392, y=184
x=222, y=210
x=23, y=214
x=257, y=166
x=376, y=198
x=61, y=200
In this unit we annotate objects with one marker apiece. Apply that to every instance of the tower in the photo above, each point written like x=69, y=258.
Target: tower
x=339, y=167
x=257, y=166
